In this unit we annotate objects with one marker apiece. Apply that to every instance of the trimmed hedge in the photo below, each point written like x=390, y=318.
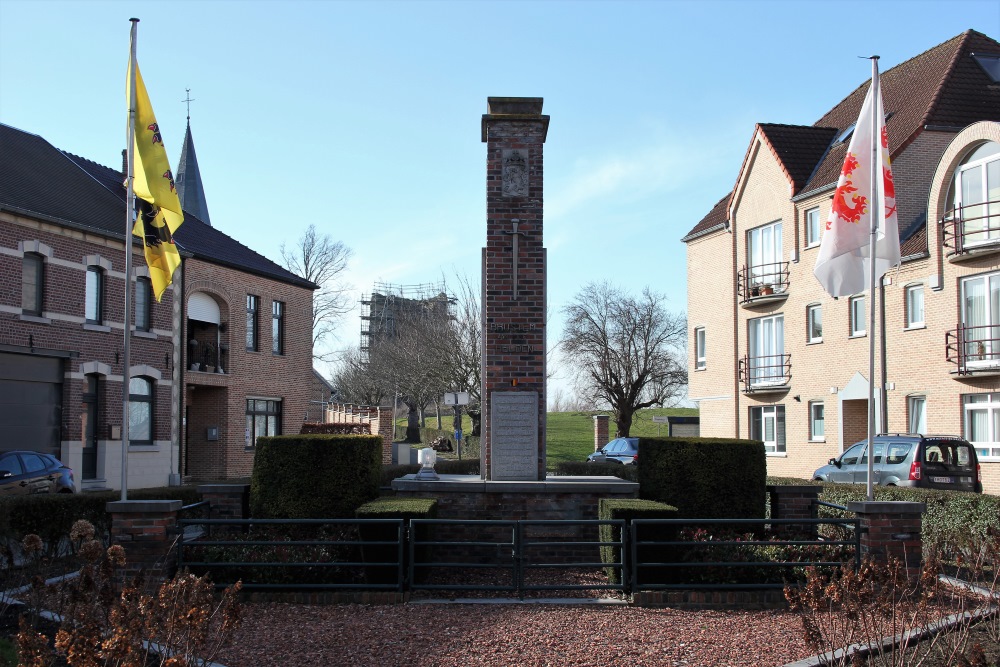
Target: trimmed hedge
x=443, y=467
x=314, y=476
x=389, y=508
x=398, y=508
x=51, y=516
x=705, y=478
x=584, y=469
x=327, y=428
x=627, y=509
x=953, y=518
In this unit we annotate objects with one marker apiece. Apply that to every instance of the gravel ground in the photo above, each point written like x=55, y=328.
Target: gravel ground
x=453, y=635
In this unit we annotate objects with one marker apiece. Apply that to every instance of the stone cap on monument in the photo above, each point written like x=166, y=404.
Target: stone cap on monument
x=514, y=109
x=518, y=106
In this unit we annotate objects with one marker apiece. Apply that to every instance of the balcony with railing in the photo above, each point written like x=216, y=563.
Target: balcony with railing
x=762, y=283
x=973, y=351
x=971, y=231
x=764, y=374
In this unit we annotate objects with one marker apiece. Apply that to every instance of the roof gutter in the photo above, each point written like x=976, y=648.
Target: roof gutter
x=692, y=237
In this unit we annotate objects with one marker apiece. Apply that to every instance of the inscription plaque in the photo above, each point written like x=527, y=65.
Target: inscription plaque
x=514, y=436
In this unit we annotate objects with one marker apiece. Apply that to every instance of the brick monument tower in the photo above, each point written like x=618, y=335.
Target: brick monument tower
x=513, y=292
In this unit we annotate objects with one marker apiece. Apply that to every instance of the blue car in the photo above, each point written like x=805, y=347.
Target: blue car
x=619, y=450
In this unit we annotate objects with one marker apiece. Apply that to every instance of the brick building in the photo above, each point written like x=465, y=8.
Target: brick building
x=786, y=363
x=62, y=284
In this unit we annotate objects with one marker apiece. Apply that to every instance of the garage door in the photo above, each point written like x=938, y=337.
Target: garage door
x=30, y=402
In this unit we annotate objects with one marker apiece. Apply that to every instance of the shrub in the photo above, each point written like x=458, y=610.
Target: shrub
x=389, y=508
x=705, y=478
x=628, y=509
x=314, y=476
x=585, y=469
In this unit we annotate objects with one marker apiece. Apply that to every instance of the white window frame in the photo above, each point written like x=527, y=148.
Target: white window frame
x=817, y=421
x=859, y=319
x=984, y=435
x=764, y=254
x=699, y=348
x=813, y=226
x=914, y=306
x=980, y=306
x=94, y=294
x=916, y=414
x=766, y=351
x=981, y=221
x=771, y=428
x=814, y=319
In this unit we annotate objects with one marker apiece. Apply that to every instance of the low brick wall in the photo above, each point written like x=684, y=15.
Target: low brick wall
x=764, y=599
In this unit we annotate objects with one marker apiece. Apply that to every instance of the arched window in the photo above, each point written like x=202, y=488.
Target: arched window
x=140, y=411
x=975, y=194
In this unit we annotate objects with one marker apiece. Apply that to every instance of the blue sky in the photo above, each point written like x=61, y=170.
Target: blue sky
x=364, y=117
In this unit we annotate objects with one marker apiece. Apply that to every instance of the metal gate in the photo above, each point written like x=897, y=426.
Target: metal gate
x=517, y=556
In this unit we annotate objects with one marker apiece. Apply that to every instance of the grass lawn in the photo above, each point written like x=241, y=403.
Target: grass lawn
x=571, y=434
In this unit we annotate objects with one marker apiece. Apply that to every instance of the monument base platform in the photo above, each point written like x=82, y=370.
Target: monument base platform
x=554, y=498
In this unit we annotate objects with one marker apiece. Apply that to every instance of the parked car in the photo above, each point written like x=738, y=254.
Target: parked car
x=619, y=450
x=908, y=459
x=23, y=473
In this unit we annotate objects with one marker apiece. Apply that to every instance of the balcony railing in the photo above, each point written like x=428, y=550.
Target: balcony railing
x=762, y=282
x=971, y=229
x=974, y=350
x=766, y=373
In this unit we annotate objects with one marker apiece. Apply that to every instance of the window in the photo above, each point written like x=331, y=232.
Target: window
x=32, y=282
x=982, y=424
x=766, y=360
x=916, y=407
x=816, y=428
x=990, y=62
x=94, y=308
x=143, y=303
x=140, y=411
x=263, y=419
x=699, y=347
x=858, y=316
x=814, y=322
x=252, y=305
x=915, y=306
x=812, y=227
x=764, y=251
x=278, y=327
x=976, y=195
x=767, y=423
x=981, y=318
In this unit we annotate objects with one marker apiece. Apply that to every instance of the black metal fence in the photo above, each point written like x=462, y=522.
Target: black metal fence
x=515, y=557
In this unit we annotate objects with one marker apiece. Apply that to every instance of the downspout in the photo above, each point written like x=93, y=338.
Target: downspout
x=179, y=353
x=736, y=322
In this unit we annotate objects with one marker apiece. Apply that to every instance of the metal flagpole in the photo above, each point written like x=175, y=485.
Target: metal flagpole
x=129, y=211
x=871, y=275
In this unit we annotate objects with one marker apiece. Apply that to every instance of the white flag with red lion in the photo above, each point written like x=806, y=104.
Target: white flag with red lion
x=843, y=263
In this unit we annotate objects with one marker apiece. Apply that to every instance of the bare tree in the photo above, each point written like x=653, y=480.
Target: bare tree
x=356, y=382
x=465, y=350
x=628, y=352
x=319, y=259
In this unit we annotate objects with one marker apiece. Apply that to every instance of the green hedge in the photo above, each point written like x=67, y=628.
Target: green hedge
x=398, y=508
x=627, y=509
x=442, y=467
x=584, y=469
x=953, y=519
x=389, y=508
x=51, y=516
x=314, y=476
x=705, y=478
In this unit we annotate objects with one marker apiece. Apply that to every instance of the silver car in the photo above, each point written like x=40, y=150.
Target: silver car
x=619, y=450
x=908, y=459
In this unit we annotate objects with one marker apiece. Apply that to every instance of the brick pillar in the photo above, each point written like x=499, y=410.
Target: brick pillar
x=600, y=431
x=891, y=529
x=147, y=530
x=514, y=292
x=386, y=429
x=227, y=501
x=794, y=502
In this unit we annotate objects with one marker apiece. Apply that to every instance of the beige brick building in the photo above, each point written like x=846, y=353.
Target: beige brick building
x=778, y=359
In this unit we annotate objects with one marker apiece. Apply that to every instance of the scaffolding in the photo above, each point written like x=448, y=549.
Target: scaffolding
x=390, y=304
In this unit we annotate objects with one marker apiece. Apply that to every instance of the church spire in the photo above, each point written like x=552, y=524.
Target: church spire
x=189, y=188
